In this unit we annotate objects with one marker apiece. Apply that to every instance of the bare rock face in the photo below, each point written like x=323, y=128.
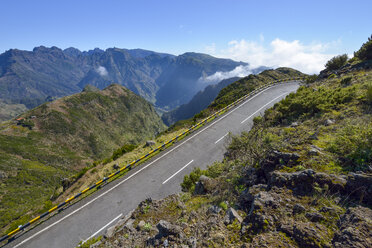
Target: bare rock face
x=3, y=175
x=307, y=234
x=205, y=185
x=355, y=229
x=359, y=186
x=231, y=215
x=150, y=143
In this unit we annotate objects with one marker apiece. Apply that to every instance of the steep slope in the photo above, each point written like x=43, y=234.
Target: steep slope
x=32, y=77
x=241, y=87
x=199, y=102
x=237, y=89
x=302, y=177
x=180, y=82
x=58, y=139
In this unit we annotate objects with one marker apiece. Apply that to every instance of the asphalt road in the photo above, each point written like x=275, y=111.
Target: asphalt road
x=157, y=178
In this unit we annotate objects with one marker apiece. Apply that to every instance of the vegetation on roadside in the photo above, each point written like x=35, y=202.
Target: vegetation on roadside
x=236, y=90
x=47, y=149
x=300, y=178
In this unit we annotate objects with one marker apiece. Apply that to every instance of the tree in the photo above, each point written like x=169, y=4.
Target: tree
x=336, y=62
x=365, y=52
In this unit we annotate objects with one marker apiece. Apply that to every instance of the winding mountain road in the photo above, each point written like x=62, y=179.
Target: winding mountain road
x=157, y=178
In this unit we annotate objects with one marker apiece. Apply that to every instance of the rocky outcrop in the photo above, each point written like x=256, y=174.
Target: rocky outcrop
x=355, y=229
x=205, y=185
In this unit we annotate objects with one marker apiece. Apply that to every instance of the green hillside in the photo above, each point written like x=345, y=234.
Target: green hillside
x=245, y=85
x=302, y=177
x=47, y=147
x=237, y=89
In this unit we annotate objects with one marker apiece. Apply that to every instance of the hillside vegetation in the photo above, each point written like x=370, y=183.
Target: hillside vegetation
x=233, y=92
x=302, y=177
x=198, y=103
x=47, y=148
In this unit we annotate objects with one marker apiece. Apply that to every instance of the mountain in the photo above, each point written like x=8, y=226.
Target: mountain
x=202, y=99
x=232, y=92
x=57, y=139
x=243, y=86
x=31, y=77
x=302, y=177
x=199, y=102
x=180, y=82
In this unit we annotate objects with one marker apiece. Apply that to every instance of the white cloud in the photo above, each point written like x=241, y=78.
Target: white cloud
x=101, y=70
x=306, y=58
x=239, y=71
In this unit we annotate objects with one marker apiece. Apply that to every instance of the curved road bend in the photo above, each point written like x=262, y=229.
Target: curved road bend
x=157, y=178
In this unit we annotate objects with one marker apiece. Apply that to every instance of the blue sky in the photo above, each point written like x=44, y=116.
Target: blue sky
x=259, y=32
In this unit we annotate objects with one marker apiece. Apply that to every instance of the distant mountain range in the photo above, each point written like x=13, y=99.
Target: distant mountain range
x=167, y=81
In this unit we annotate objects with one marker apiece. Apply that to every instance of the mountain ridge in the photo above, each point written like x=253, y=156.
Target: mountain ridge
x=31, y=77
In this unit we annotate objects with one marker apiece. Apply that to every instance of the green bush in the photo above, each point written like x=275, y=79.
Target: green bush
x=369, y=94
x=365, y=52
x=311, y=79
x=353, y=146
x=336, y=62
x=189, y=181
x=307, y=102
x=122, y=150
x=345, y=81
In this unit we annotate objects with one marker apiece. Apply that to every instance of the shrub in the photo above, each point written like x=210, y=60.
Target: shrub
x=311, y=79
x=308, y=102
x=124, y=149
x=353, y=146
x=336, y=62
x=369, y=94
x=189, y=181
x=346, y=81
x=365, y=52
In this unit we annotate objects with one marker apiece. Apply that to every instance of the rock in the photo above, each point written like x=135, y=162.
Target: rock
x=329, y=210
x=314, y=216
x=329, y=122
x=218, y=238
x=294, y=124
x=150, y=143
x=247, y=196
x=165, y=229
x=298, y=208
x=192, y=242
x=313, y=152
x=124, y=219
x=359, y=187
x=205, y=185
x=250, y=177
x=286, y=156
x=306, y=234
x=302, y=182
x=66, y=182
x=214, y=210
x=129, y=225
x=116, y=166
x=97, y=244
x=355, y=229
x=314, y=136
x=3, y=175
x=232, y=215
x=140, y=225
x=110, y=232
